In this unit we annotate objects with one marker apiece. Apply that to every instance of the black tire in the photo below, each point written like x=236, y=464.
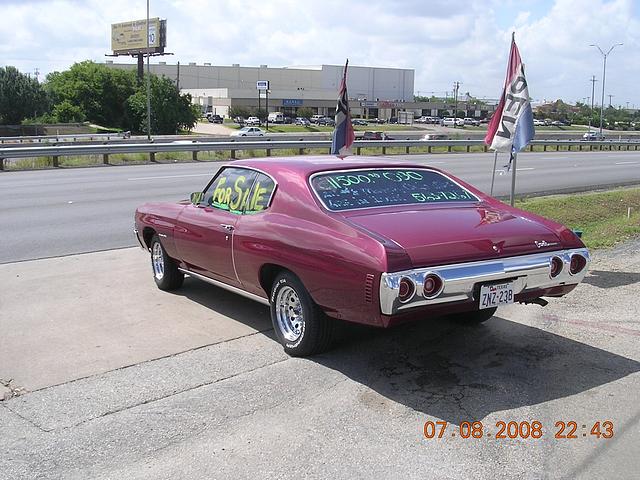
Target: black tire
x=315, y=330
x=475, y=317
x=164, y=268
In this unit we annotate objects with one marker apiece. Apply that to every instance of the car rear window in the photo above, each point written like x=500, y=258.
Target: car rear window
x=346, y=190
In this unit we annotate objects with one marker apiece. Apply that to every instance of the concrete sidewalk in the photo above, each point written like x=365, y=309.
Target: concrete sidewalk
x=205, y=395
x=69, y=317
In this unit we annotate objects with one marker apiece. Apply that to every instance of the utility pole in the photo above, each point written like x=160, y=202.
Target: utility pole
x=604, y=72
x=593, y=87
x=609, y=95
x=456, y=86
x=148, y=80
x=178, y=78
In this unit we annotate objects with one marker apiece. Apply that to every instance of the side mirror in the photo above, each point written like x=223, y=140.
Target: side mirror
x=196, y=198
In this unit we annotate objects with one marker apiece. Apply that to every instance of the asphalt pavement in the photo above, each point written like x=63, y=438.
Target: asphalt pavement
x=48, y=213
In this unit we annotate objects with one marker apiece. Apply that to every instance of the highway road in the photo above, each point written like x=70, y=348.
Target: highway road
x=67, y=211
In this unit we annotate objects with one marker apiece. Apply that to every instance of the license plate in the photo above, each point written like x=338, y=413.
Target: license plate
x=496, y=294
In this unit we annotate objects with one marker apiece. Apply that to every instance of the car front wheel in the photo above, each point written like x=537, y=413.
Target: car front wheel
x=300, y=325
x=165, y=270
x=475, y=317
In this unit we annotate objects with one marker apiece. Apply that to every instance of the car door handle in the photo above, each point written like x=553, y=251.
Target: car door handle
x=227, y=227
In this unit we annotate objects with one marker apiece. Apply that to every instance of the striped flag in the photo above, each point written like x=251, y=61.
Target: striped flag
x=511, y=127
x=343, y=135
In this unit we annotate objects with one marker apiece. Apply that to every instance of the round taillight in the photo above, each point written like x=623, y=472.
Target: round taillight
x=577, y=264
x=406, y=290
x=556, y=267
x=432, y=285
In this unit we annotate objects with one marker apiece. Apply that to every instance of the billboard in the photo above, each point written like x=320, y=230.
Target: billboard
x=131, y=37
x=262, y=84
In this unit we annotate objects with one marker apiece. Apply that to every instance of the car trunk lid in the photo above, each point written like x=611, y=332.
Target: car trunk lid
x=453, y=234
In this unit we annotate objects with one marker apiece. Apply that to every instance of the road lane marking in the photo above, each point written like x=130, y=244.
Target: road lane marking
x=525, y=168
x=627, y=163
x=171, y=176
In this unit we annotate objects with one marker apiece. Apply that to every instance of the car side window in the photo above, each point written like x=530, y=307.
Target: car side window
x=230, y=190
x=260, y=195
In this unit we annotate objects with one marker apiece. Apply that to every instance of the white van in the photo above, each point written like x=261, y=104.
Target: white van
x=276, y=117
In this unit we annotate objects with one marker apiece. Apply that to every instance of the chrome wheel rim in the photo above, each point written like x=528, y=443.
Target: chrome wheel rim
x=157, y=261
x=289, y=314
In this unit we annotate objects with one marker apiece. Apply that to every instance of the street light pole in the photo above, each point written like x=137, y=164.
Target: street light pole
x=604, y=72
x=593, y=93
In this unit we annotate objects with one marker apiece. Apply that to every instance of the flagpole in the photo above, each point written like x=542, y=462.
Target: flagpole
x=493, y=173
x=514, y=157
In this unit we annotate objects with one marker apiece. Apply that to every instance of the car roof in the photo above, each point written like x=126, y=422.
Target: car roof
x=306, y=165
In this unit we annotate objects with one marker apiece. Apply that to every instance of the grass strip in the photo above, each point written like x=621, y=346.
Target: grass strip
x=603, y=217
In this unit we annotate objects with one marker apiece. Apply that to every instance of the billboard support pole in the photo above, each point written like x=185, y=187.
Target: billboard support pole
x=148, y=81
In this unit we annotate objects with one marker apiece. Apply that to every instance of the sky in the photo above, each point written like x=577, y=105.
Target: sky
x=444, y=41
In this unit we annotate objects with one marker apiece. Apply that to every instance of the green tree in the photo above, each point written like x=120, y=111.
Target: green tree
x=99, y=92
x=66, y=112
x=20, y=96
x=305, y=112
x=261, y=114
x=243, y=112
x=170, y=111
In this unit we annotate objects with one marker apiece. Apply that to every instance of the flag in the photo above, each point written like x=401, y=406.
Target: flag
x=343, y=135
x=511, y=127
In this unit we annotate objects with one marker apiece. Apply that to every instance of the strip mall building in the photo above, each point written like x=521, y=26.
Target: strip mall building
x=374, y=92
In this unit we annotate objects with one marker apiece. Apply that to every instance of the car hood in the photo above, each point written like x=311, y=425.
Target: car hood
x=440, y=235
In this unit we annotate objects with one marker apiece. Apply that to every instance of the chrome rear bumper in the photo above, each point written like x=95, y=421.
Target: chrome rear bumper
x=528, y=272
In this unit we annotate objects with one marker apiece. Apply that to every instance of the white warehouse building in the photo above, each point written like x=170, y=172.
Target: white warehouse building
x=374, y=91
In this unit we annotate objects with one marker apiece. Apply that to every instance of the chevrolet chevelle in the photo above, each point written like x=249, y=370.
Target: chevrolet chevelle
x=368, y=240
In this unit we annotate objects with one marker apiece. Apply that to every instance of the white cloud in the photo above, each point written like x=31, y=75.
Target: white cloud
x=443, y=41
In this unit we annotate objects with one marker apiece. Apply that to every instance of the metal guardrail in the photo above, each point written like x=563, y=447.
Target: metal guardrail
x=63, y=138
x=55, y=152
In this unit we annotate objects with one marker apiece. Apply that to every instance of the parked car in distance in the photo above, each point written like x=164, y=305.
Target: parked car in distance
x=448, y=122
x=471, y=121
x=314, y=118
x=252, y=121
x=275, y=117
x=358, y=121
x=328, y=121
x=302, y=121
x=288, y=120
x=378, y=242
x=593, y=136
x=435, y=136
x=249, y=132
x=215, y=119
x=538, y=123
x=374, y=136
x=239, y=120
x=391, y=120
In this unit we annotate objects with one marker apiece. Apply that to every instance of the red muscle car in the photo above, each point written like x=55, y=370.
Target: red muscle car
x=368, y=240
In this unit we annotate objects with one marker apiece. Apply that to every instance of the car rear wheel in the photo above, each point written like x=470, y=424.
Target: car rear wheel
x=165, y=270
x=475, y=317
x=300, y=325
